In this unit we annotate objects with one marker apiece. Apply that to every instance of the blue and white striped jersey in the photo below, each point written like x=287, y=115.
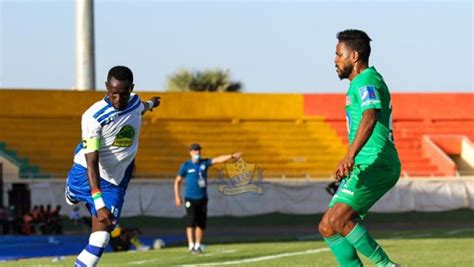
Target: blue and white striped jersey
x=118, y=132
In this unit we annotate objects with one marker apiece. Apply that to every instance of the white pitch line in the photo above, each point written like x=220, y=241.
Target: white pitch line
x=264, y=258
x=421, y=235
x=142, y=262
x=454, y=232
x=219, y=252
x=409, y=236
x=151, y=260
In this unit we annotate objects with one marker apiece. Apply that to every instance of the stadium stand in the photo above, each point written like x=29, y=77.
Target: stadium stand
x=285, y=135
x=286, y=148
x=270, y=129
x=46, y=142
x=415, y=116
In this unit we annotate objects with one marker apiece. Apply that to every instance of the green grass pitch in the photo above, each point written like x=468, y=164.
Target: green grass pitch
x=437, y=247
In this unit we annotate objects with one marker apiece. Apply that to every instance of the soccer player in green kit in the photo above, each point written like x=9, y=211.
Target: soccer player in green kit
x=371, y=166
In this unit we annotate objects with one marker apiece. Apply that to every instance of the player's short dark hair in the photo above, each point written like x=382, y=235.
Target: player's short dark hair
x=358, y=41
x=120, y=73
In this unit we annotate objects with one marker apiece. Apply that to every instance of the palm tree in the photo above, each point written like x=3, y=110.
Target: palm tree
x=211, y=80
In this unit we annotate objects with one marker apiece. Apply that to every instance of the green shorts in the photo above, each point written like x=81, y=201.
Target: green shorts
x=365, y=185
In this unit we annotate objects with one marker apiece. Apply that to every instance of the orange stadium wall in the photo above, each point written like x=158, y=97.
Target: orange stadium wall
x=422, y=109
x=47, y=103
x=405, y=106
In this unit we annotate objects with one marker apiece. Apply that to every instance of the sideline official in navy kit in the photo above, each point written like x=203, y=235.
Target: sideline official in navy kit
x=195, y=173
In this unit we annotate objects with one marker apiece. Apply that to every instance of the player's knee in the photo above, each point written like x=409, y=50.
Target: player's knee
x=99, y=239
x=336, y=222
x=325, y=229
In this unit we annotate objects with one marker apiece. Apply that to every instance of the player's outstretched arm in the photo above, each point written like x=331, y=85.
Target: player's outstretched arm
x=366, y=127
x=177, y=198
x=151, y=104
x=224, y=158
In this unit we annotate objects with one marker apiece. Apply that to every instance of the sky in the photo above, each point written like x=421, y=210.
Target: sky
x=268, y=46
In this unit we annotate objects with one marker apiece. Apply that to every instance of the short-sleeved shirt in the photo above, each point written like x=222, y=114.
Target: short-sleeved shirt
x=369, y=91
x=192, y=172
x=118, y=132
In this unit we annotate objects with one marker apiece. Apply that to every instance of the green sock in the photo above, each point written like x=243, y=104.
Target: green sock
x=345, y=253
x=365, y=244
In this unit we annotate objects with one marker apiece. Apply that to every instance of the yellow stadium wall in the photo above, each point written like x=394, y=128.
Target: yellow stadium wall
x=271, y=128
x=47, y=103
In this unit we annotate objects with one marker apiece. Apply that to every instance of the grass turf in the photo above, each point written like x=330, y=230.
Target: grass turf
x=412, y=239
x=436, y=247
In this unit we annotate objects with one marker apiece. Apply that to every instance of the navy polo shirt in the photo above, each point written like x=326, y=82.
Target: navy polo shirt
x=191, y=171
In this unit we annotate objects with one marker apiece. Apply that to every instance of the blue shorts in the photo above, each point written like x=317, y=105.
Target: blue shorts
x=78, y=190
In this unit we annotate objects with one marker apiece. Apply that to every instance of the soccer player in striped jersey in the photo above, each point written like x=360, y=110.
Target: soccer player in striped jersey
x=104, y=160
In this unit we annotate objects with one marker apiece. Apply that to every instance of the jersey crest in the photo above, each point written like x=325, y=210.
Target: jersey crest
x=125, y=137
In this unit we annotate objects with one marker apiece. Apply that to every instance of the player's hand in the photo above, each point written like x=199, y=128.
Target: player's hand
x=156, y=101
x=105, y=217
x=344, y=168
x=178, y=202
x=237, y=155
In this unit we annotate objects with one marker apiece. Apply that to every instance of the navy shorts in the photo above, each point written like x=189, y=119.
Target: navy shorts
x=78, y=190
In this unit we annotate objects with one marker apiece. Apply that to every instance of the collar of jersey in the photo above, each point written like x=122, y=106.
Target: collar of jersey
x=369, y=69
x=131, y=105
x=109, y=104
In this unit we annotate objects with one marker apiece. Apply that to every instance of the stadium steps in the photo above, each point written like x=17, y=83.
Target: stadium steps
x=408, y=133
x=463, y=167
x=47, y=143
x=27, y=170
x=283, y=148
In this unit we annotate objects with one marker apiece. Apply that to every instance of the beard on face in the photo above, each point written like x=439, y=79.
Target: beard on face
x=345, y=71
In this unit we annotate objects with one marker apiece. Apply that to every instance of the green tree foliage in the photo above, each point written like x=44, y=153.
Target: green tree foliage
x=212, y=80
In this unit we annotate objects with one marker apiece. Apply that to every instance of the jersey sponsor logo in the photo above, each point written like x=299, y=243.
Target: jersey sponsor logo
x=191, y=170
x=347, y=191
x=367, y=93
x=125, y=137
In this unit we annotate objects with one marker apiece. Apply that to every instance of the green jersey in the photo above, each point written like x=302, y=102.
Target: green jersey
x=369, y=91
